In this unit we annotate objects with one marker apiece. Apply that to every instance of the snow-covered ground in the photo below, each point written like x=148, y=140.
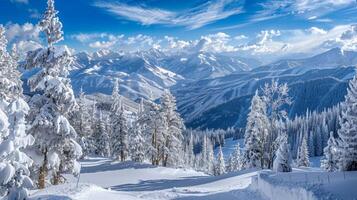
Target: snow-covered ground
x=103, y=179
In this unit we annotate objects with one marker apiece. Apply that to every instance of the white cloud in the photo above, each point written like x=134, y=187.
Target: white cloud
x=102, y=44
x=267, y=44
x=25, y=46
x=240, y=37
x=25, y=37
x=27, y=31
x=317, y=31
x=194, y=18
x=347, y=40
x=218, y=42
x=143, y=15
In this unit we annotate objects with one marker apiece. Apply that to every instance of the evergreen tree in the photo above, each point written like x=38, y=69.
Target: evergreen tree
x=81, y=121
x=275, y=97
x=203, y=165
x=210, y=158
x=303, y=155
x=220, y=164
x=101, y=136
x=137, y=144
x=14, y=162
x=282, y=161
x=53, y=133
x=348, y=130
x=330, y=160
x=120, y=128
x=173, y=127
x=189, y=154
x=235, y=162
x=152, y=123
x=255, y=133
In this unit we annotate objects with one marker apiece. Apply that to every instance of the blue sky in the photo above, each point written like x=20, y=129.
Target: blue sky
x=96, y=24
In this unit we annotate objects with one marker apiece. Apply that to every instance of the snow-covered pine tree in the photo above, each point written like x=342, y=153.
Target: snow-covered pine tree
x=203, y=164
x=173, y=127
x=120, y=130
x=50, y=127
x=255, y=133
x=101, y=136
x=14, y=163
x=348, y=130
x=189, y=154
x=137, y=144
x=81, y=121
x=210, y=158
x=330, y=160
x=152, y=123
x=303, y=154
x=220, y=167
x=235, y=160
x=282, y=161
x=275, y=97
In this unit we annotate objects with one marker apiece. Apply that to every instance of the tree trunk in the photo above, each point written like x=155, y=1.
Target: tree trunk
x=43, y=172
x=122, y=157
x=56, y=178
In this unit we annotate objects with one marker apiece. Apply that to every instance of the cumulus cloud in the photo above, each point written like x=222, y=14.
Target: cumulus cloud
x=219, y=42
x=346, y=41
x=25, y=37
x=27, y=31
x=194, y=18
x=266, y=44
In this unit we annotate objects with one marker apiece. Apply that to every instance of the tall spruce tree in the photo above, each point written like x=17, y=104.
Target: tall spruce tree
x=282, y=161
x=348, y=130
x=220, y=163
x=120, y=129
x=329, y=162
x=55, y=137
x=173, y=127
x=101, y=136
x=235, y=160
x=14, y=162
x=255, y=133
x=303, y=155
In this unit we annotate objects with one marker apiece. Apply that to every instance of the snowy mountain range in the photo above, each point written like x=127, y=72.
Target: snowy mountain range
x=316, y=83
x=148, y=73
x=214, y=90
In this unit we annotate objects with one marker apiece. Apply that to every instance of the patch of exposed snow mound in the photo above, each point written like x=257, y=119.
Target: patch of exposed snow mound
x=306, y=184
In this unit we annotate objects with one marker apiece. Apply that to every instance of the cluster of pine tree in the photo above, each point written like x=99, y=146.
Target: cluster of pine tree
x=37, y=141
x=155, y=134
x=271, y=139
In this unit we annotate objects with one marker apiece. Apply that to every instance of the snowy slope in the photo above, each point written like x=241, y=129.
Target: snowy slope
x=141, y=181
x=224, y=102
x=103, y=179
x=139, y=74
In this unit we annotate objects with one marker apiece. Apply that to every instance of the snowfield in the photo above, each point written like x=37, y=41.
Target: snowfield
x=103, y=179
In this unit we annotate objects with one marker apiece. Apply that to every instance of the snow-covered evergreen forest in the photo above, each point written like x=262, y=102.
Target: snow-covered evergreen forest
x=52, y=135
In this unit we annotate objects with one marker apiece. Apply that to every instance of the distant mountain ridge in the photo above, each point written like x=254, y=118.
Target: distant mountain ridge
x=214, y=90
x=148, y=73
